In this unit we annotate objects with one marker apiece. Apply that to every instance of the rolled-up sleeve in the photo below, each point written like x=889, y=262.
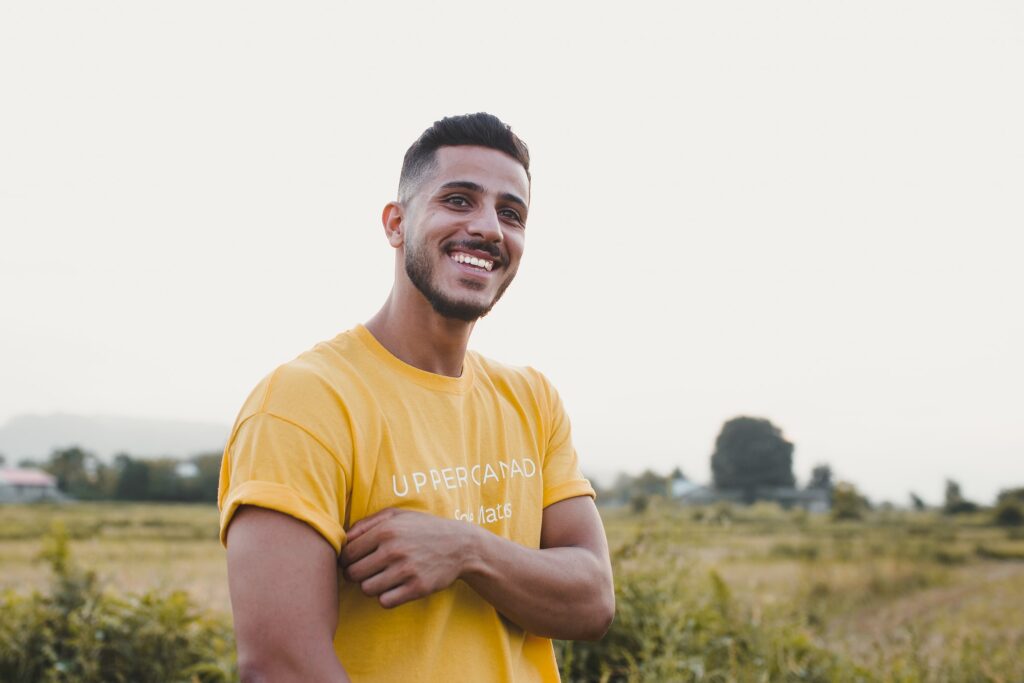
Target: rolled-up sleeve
x=274, y=463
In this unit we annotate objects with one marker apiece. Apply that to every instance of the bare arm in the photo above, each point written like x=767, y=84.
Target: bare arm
x=562, y=590
x=282, y=576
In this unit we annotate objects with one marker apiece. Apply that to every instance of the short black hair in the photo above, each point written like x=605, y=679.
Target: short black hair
x=480, y=129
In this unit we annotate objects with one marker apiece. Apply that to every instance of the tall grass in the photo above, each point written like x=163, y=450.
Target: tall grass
x=718, y=594
x=78, y=632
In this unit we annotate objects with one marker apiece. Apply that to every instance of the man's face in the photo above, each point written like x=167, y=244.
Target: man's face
x=464, y=230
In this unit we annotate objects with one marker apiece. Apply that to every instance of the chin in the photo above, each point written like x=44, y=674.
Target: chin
x=467, y=311
x=461, y=299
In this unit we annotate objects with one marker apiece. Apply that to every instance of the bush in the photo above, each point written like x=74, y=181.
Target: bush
x=847, y=503
x=79, y=633
x=1009, y=512
x=706, y=636
x=639, y=503
x=1000, y=551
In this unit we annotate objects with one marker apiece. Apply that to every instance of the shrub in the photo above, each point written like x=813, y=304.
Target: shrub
x=79, y=633
x=668, y=629
x=995, y=551
x=847, y=503
x=639, y=503
x=804, y=551
x=1009, y=512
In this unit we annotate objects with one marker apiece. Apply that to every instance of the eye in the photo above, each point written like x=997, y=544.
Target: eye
x=511, y=214
x=456, y=200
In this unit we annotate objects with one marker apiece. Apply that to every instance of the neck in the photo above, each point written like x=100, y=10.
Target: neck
x=415, y=334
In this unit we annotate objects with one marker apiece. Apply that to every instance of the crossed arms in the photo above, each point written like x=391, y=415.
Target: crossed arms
x=285, y=603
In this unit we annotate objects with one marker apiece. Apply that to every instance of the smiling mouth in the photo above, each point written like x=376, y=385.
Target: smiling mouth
x=484, y=264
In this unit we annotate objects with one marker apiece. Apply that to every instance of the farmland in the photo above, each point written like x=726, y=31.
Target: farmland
x=714, y=594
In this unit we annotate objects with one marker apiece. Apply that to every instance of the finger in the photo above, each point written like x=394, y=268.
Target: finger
x=367, y=523
x=382, y=582
x=357, y=549
x=401, y=594
x=374, y=563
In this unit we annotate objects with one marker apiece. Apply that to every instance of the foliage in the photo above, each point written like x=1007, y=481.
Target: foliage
x=1001, y=551
x=638, y=490
x=676, y=628
x=82, y=475
x=1009, y=512
x=1016, y=494
x=750, y=453
x=639, y=503
x=79, y=633
x=1010, y=508
x=679, y=619
x=847, y=503
x=821, y=478
x=78, y=472
x=955, y=503
x=917, y=503
x=719, y=593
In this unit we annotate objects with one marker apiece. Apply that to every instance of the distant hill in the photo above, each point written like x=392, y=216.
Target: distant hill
x=36, y=436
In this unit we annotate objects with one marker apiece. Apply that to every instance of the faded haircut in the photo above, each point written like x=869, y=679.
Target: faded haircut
x=481, y=130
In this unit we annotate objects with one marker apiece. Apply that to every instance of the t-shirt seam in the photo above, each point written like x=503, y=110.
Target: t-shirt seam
x=266, y=394
x=305, y=431
x=267, y=413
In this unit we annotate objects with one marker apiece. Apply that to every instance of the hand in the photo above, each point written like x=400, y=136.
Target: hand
x=402, y=555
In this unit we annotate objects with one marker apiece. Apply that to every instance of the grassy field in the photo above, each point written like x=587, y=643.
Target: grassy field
x=704, y=594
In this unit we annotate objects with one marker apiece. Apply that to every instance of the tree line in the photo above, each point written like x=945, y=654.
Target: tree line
x=753, y=459
x=82, y=475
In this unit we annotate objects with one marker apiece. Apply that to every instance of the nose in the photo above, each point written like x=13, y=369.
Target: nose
x=486, y=226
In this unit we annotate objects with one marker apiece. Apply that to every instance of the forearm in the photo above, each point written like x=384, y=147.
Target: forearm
x=564, y=593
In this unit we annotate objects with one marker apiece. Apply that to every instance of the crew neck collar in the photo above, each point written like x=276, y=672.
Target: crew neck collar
x=429, y=380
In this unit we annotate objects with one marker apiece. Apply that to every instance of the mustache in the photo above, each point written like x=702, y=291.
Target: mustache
x=476, y=245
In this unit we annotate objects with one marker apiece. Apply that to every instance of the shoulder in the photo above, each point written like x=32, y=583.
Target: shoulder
x=312, y=388
x=523, y=381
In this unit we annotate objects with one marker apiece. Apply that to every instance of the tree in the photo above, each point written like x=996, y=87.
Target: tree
x=205, y=485
x=132, y=479
x=750, y=453
x=78, y=472
x=1010, y=507
x=650, y=483
x=1011, y=495
x=916, y=502
x=955, y=502
x=821, y=478
x=1009, y=512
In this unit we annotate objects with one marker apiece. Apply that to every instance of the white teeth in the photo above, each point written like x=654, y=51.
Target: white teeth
x=473, y=260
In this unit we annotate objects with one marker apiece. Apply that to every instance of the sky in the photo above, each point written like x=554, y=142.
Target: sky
x=810, y=212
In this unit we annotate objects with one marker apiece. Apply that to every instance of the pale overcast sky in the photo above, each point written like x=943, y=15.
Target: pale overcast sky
x=805, y=211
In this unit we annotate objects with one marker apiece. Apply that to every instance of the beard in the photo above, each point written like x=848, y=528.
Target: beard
x=420, y=269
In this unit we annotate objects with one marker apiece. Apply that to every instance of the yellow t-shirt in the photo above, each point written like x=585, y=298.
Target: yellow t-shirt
x=346, y=429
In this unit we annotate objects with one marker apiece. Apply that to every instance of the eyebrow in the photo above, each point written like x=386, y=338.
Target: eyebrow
x=473, y=187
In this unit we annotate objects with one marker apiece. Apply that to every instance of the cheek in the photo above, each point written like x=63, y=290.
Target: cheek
x=517, y=247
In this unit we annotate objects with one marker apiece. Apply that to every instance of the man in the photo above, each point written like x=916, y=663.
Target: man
x=443, y=484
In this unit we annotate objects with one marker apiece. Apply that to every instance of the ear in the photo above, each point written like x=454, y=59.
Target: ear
x=391, y=218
